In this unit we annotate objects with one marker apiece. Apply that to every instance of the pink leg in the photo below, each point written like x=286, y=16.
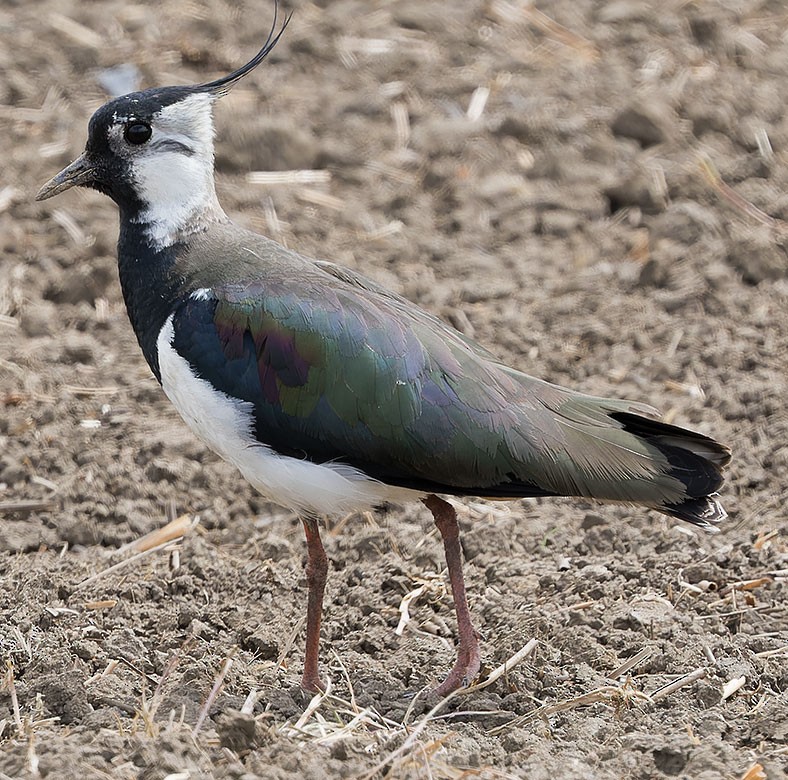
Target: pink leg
x=316, y=569
x=468, y=659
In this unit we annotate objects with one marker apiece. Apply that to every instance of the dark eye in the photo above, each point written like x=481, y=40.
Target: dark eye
x=137, y=133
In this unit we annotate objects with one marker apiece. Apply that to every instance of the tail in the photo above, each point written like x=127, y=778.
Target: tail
x=695, y=460
x=611, y=450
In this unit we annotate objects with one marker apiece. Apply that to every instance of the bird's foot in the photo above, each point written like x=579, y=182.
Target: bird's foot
x=463, y=673
x=311, y=683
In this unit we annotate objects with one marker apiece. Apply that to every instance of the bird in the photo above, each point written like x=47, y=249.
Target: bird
x=329, y=393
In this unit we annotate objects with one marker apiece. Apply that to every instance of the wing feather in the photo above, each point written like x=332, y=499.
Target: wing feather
x=340, y=370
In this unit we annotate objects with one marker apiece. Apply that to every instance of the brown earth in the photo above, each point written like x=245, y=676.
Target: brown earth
x=568, y=224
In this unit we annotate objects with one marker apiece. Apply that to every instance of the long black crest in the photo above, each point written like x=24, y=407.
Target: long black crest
x=223, y=85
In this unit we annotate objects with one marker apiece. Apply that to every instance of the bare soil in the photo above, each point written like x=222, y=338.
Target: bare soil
x=594, y=190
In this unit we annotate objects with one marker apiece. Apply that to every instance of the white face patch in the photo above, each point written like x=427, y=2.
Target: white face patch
x=224, y=424
x=173, y=172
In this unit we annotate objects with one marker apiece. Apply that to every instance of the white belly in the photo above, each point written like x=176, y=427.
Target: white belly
x=224, y=424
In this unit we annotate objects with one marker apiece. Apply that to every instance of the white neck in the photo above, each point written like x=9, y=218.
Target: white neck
x=183, y=203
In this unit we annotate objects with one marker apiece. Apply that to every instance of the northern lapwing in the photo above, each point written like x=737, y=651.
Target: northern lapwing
x=331, y=394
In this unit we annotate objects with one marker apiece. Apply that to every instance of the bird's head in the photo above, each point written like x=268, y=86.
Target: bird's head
x=152, y=152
